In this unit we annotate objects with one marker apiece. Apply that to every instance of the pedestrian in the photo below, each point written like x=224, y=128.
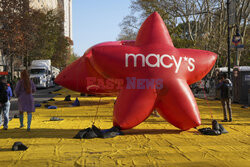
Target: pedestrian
x=225, y=86
x=5, y=96
x=24, y=89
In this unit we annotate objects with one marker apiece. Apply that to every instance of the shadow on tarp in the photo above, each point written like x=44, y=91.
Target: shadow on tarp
x=234, y=122
x=70, y=133
x=85, y=116
x=38, y=133
x=93, y=103
x=82, y=103
x=228, y=123
x=150, y=131
x=5, y=149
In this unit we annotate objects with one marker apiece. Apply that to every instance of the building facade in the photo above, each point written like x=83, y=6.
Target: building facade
x=43, y=4
x=67, y=6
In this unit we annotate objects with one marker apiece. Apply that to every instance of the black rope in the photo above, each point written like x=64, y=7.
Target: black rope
x=97, y=111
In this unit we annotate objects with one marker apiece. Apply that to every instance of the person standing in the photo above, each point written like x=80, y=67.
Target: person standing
x=6, y=94
x=225, y=86
x=24, y=89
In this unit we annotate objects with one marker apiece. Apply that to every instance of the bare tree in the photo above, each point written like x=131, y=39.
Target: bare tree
x=199, y=22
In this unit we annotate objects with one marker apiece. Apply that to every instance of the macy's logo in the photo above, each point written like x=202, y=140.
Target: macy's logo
x=159, y=61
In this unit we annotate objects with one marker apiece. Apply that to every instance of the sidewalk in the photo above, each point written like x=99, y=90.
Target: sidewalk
x=152, y=143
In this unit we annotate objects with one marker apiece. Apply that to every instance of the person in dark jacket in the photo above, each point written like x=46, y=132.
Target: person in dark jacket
x=5, y=108
x=225, y=86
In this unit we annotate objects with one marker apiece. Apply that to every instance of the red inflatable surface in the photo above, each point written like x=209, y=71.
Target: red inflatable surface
x=149, y=73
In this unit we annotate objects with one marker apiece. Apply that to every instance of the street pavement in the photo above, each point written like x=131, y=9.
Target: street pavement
x=39, y=96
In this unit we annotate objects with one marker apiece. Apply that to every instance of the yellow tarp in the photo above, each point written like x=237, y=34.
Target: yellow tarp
x=153, y=143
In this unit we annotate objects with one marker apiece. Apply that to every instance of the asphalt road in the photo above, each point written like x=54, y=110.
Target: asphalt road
x=39, y=96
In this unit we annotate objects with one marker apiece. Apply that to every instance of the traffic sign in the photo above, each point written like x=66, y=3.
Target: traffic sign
x=236, y=39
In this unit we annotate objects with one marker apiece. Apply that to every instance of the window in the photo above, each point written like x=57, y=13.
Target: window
x=37, y=71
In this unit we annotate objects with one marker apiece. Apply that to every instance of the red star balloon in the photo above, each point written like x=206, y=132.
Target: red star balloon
x=155, y=75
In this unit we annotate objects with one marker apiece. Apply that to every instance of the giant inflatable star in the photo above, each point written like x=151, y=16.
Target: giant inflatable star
x=156, y=76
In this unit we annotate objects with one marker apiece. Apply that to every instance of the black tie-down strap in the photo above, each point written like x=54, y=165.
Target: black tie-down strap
x=217, y=129
x=95, y=132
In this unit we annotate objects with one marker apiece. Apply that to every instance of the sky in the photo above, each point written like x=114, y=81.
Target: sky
x=96, y=21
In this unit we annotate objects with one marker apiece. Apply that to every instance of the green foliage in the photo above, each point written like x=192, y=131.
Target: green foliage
x=50, y=41
x=73, y=57
x=27, y=34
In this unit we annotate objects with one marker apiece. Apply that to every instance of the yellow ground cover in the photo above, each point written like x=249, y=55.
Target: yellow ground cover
x=153, y=143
